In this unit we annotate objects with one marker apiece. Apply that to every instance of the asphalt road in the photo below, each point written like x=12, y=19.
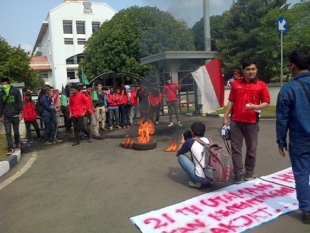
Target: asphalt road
x=94, y=188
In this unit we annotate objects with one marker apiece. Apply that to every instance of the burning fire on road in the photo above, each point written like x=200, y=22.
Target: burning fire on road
x=144, y=140
x=173, y=146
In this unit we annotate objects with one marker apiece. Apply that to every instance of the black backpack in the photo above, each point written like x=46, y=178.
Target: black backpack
x=39, y=109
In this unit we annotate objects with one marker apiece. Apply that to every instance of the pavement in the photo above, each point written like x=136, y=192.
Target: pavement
x=96, y=187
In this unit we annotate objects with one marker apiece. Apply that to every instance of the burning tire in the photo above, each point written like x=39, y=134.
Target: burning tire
x=144, y=146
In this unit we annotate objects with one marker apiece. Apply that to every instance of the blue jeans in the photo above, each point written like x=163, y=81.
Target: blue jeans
x=124, y=115
x=8, y=122
x=113, y=114
x=50, y=124
x=300, y=159
x=189, y=167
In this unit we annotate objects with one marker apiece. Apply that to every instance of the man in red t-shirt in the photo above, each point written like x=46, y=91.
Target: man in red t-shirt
x=247, y=97
x=77, y=110
x=171, y=96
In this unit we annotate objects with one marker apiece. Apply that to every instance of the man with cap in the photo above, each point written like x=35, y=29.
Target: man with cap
x=49, y=116
x=171, y=96
x=77, y=110
x=11, y=110
x=235, y=77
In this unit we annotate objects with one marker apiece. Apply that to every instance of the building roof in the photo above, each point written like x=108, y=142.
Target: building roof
x=43, y=29
x=177, y=55
x=39, y=63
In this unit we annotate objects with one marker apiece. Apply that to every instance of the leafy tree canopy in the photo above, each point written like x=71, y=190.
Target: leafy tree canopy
x=14, y=64
x=243, y=29
x=215, y=30
x=130, y=35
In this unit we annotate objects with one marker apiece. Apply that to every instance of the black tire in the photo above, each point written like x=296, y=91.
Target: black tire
x=144, y=146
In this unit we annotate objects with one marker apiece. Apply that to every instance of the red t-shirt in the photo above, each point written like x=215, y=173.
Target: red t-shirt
x=113, y=99
x=123, y=99
x=89, y=105
x=155, y=100
x=242, y=93
x=29, y=112
x=77, y=104
x=171, y=92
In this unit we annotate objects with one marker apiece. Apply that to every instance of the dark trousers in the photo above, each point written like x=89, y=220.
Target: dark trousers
x=35, y=126
x=124, y=115
x=155, y=110
x=67, y=119
x=78, y=125
x=248, y=132
x=8, y=122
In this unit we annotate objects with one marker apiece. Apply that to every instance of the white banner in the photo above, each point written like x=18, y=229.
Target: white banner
x=235, y=208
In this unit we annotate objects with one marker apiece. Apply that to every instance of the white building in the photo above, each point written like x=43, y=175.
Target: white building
x=63, y=35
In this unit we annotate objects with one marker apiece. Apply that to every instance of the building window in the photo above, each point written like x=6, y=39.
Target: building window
x=81, y=41
x=80, y=27
x=67, y=26
x=70, y=74
x=80, y=57
x=44, y=75
x=68, y=40
x=70, y=60
x=95, y=26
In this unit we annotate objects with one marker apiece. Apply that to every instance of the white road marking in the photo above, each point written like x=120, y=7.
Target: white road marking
x=20, y=172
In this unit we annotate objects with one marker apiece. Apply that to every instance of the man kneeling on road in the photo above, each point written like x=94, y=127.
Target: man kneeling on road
x=191, y=166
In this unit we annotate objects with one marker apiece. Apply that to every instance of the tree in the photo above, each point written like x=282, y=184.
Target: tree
x=14, y=64
x=215, y=31
x=130, y=35
x=242, y=26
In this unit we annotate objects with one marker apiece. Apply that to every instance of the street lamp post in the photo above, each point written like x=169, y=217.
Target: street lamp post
x=206, y=16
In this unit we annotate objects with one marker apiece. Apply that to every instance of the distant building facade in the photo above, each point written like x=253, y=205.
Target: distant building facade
x=62, y=37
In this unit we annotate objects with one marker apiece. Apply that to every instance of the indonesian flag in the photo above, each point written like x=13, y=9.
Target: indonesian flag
x=210, y=82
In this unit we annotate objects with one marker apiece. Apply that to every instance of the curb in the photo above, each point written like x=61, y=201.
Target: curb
x=10, y=162
x=221, y=116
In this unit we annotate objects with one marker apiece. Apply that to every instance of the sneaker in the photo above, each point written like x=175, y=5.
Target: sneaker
x=194, y=185
x=17, y=147
x=118, y=127
x=48, y=143
x=111, y=127
x=10, y=151
x=305, y=217
x=31, y=140
x=156, y=123
x=28, y=144
x=58, y=140
x=76, y=143
x=237, y=179
x=248, y=175
x=104, y=129
x=170, y=125
x=179, y=123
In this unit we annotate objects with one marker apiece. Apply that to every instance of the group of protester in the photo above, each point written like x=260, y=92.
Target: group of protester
x=109, y=108
x=247, y=97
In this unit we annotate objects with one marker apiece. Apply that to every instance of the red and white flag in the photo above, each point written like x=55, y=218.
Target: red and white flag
x=210, y=82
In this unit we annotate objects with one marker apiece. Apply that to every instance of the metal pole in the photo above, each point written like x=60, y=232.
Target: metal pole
x=206, y=16
x=281, y=78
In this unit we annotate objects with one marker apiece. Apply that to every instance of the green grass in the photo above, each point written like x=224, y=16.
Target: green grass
x=269, y=111
x=3, y=147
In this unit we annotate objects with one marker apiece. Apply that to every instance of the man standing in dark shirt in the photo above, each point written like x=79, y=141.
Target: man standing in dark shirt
x=11, y=108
